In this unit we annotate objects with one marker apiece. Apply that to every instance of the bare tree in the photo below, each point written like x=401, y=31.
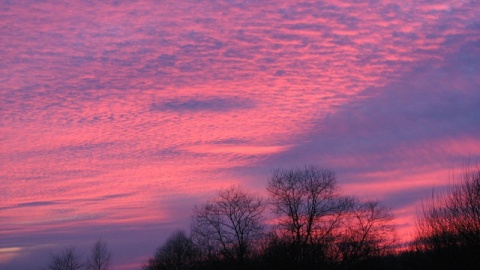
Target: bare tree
x=67, y=259
x=449, y=227
x=453, y=218
x=367, y=232
x=310, y=211
x=307, y=202
x=100, y=256
x=177, y=253
x=229, y=225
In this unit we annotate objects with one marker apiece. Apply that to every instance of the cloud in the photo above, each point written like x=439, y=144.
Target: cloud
x=236, y=149
x=422, y=108
x=114, y=196
x=167, y=60
x=30, y=204
x=110, y=108
x=208, y=104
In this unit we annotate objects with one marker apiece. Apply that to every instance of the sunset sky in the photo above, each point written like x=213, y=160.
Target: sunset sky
x=117, y=117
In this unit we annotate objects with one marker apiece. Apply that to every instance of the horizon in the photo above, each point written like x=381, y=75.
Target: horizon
x=117, y=118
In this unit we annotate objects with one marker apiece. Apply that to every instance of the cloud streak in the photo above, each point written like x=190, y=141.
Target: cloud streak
x=213, y=104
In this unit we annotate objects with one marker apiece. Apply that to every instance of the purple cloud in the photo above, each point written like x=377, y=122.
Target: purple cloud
x=213, y=104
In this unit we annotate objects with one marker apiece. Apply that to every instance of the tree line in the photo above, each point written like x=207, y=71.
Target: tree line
x=69, y=259
x=448, y=231
x=312, y=225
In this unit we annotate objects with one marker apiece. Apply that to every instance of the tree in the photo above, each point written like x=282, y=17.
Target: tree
x=309, y=209
x=100, y=256
x=228, y=226
x=177, y=253
x=368, y=232
x=68, y=259
x=449, y=227
x=303, y=199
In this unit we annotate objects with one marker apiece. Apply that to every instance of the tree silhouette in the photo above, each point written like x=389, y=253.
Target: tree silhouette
x=100, y=256
x=67, y=259
x=449, y=228
x=367, y=232
x=228, y=226
x=309, y=209
x=177, y=253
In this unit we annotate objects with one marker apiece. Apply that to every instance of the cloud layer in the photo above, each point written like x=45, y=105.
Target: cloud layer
x=117, y=117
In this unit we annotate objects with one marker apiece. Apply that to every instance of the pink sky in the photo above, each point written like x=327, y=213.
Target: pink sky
x=116, y=118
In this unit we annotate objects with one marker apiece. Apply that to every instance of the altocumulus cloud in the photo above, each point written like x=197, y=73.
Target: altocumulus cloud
x=209, y=104
x=394, y=126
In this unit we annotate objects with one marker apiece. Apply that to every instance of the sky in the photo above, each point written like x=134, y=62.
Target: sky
x=118, y=117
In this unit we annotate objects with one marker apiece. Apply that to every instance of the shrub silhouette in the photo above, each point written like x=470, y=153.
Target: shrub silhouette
x=448, y=231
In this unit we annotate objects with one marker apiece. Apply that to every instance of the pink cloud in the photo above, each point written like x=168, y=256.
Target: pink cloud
x=129, y=114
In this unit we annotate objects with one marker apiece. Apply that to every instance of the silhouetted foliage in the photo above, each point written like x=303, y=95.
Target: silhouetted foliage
x=100, y=256
x=177, y=253
x=67, y=259
x=448, y=232
x=310, y=211
x=229, y=226
x=315, y=228
x=368, y=232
